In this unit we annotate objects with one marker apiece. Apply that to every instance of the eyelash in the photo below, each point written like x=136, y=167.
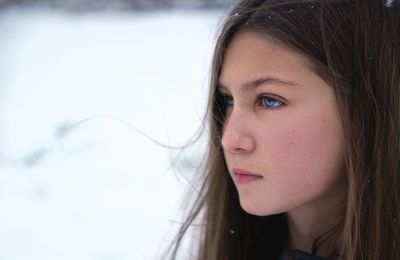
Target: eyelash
x=261, y=101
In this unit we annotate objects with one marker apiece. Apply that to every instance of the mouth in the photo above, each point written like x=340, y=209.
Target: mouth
x=244, y=177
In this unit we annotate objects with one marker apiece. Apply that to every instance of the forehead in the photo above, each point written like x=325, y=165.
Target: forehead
x=251, y=56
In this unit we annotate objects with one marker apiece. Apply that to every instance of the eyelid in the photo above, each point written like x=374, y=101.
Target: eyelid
x=274, y=96
x=222, y=91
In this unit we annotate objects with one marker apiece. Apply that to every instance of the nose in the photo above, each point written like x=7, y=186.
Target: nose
x=237, y=137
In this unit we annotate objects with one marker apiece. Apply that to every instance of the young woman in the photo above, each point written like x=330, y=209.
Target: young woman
x=304, y=154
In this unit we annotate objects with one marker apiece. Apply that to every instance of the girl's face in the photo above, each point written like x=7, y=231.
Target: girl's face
x=283, y=139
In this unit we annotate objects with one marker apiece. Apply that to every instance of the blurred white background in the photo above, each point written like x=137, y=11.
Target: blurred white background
x=77, y=178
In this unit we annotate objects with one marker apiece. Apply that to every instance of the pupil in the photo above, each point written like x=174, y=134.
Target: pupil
x=270, y=102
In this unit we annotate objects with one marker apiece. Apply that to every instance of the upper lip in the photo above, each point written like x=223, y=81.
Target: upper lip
x=238, y=171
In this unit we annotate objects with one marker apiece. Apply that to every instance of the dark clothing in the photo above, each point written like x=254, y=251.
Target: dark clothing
x=294, y=254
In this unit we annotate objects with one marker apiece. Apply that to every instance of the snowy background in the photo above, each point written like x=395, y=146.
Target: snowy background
x=84, y=99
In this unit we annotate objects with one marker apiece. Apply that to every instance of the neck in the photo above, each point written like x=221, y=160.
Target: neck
x=308, y=223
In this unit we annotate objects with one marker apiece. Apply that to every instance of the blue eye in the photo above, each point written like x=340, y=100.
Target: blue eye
x=228, y=100
x=263, y=101
x=270, y=103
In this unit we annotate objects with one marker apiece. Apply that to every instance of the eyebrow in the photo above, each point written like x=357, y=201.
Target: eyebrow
x=263, y=81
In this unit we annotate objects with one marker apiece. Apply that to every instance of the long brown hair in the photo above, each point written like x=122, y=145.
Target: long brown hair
x=355, y=46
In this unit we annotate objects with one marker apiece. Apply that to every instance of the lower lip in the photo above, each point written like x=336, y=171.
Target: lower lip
x=246, y=178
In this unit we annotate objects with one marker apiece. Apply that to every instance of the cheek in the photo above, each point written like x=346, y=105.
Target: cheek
x=307, y=152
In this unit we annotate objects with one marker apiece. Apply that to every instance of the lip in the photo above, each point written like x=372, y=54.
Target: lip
x=244, y=177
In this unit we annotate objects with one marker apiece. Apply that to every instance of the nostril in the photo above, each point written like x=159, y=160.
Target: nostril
x=239, y=149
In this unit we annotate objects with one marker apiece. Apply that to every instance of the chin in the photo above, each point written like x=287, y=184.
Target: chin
x=257, y=210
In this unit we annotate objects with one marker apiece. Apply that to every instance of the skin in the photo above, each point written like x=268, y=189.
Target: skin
x=287, y=131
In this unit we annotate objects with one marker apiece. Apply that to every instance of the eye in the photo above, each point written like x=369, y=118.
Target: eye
x=228, y=101
x=270, y=103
